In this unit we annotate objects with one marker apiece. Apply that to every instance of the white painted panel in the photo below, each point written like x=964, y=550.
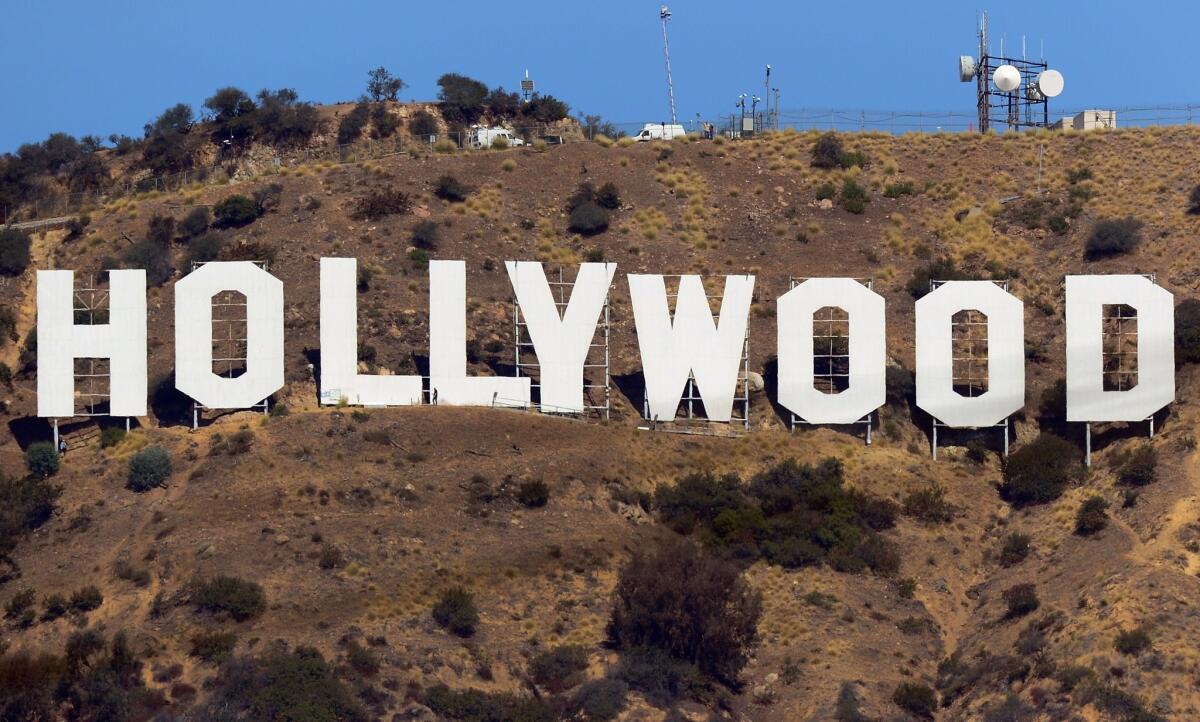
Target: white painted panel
x=194, y=334
x=122, y=340
x=340, y=380
x=1005, y=362
x=561, y=341
x=448, y=347
x=1086, y=398
x=671, y=347
x=867, y=387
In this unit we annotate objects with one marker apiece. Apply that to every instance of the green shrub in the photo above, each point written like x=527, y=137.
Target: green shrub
x=827, y=151
x=928, y=504
x=661, y=677
x=160, y=230
x=14, y=251
x=895, y=190
x=331, y=557
x=675, y=597
x=826, y=191
x=1092, y=516
x=1040, y=471
x=600, y=700
x=8, y=326
x=238, y=598
x=1132, y=641
x=853, y=197
x=472, y=705
x=236, y=211
x=20, y=602
x=194, y=223
x=151, y=257
x=455, y=611
x=940, y=269
x=451, y=189
x=296, y=686
x=1138, y=467
x=149, y=468
x=205, y=247
x=588, y=219
x=110, y=436
x=1020, y=599
x=383, y=123
x=917, y=699
x=557, y=670
x=425, y=235
x=54, y=606
x=350, y=128
x=86, y=599
x=361, y=659
x=1113, y=237
x=422, y=124
x=1014, y=549
x=42, y=459
x=608, y=196
x=212, y=647
x=533, y=493
x=382, y=202
x=1194, y=201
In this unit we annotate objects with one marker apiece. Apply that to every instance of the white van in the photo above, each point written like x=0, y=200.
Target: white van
x=481, y=137
x=660, y=131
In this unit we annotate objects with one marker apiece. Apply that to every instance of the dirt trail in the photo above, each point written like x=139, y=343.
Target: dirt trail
x=1163, y=548
x=41, y=252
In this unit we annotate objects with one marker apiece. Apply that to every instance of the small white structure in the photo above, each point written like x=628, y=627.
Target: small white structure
x=482, y=137
x=660, y=131
x=1088, y=120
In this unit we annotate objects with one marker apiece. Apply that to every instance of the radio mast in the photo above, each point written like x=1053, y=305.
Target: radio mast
x=664, y=14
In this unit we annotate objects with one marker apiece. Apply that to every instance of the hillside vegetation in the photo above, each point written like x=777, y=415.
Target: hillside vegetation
x=475, y=564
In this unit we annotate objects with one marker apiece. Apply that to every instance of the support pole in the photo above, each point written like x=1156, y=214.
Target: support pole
x=1087, y=434
x=935, y=440
x=56, y=436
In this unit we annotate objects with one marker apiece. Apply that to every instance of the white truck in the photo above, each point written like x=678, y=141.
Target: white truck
x=481, y=137
x=660, y=131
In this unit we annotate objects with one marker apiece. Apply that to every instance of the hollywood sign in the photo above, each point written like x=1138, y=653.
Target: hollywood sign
x=673, y=346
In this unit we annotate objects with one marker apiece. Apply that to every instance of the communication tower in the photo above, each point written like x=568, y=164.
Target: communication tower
x=1013, y=92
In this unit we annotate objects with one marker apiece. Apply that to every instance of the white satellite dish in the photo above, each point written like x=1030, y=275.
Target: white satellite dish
x=1007, y=78
x=967, y=68
x=1050, y=83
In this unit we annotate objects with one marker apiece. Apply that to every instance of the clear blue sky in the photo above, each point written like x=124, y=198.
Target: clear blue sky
x=103, y=67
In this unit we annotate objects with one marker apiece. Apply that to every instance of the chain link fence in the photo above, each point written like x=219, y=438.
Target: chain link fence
x=55, y=206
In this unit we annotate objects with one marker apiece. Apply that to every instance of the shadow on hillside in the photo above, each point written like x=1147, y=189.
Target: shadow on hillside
x=30, y=430
x=171, y=406
x=633, y=387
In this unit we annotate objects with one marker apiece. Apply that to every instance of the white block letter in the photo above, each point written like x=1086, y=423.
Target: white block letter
x=1086, y=298
x=690, y=342
x=448, y=346
x=561, y=341
x=867, y=356
x=194, y=335
x=1005, y=361
x=122, y=340
x=339, y=346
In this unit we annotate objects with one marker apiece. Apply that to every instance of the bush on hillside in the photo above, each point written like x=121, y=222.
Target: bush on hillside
x=1187, y=332
x=154, y=259
x=827, y=151
x=425, y=235
x=675, y=597
x=1040, y=471
x=451, y=189
x=205, y=247
x=422, y=124
x=14, y=251
x=42, y=460
x=826, y=191
x=559, y=669
x=8, y=326
x=1014, y=550
x=917, y=699
x=939, y=269
x=456, y=611
x=928, y=504
x=853, y=197
x=1019, y=600
x=236, y=211
x=1113, y=237
x=160, y=230
x=533, y=493
x=472, y=705
x=1139, y=466
x=1194, y=201
x=382, y=202
x=148, y=469
x=212, y=647
x=194, y=223
x=384, y=123
x=25, y=504
x=238, y=598
x=1092, y=516
x=588, y=219
x=86, y=599
x=1132, y=641
x=600, y=700
x=294, y=685
x=350, y=128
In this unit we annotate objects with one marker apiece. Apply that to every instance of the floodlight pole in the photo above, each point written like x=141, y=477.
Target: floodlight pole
x=664, y=14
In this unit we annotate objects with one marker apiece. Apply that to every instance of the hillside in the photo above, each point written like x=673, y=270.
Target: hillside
x=354, y=523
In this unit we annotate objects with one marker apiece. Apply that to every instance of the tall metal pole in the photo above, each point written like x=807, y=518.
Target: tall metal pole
x=767, y=98
x=664, y=14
